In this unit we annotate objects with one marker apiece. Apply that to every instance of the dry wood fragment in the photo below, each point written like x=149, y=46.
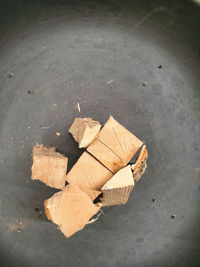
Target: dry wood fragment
x=116, y=191
x=88, y=173
x=115, y=145
x=140, y=166
x=70, y=209
x=84, y=131
x=49, y=166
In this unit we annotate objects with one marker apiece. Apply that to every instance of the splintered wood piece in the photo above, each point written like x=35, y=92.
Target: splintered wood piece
x=116, y=191
x=88, y=173
x=70, y=209
x=84, y=131
x=140, y=166
x=115, y=145
x=49, y=166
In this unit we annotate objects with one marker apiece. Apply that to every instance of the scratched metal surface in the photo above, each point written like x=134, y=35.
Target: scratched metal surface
x=136, y=60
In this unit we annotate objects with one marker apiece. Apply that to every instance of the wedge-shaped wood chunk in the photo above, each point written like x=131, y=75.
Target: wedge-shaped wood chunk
x=70, y=209
x=116, y=191
x=88, y=173
x=140, y=166
x=49, y=166
x=115, y=146
x=84, y=131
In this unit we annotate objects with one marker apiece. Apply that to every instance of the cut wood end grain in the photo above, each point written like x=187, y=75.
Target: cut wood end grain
x=49, y=166
x=84, y=131
x=117, y=190
x=140, y=166
x=115, y=145
x=70, y=209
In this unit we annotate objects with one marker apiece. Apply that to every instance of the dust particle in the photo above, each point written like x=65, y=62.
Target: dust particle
x=10, y=75
x=31, y=92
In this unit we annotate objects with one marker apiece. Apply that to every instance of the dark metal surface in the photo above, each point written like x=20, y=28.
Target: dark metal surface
x=63, y=53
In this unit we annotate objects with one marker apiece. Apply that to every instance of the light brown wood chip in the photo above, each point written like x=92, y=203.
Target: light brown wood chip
x=88, y=173
x=84, y=131
x=49, y=166
x=140, y=166
x=117, y=190
x=70, y=209
x=115, y=146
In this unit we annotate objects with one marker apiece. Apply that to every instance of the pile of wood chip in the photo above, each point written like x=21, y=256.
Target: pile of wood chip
x=102, y=176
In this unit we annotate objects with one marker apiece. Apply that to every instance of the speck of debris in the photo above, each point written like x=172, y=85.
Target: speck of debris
x=78, y=107
x=57, y=133
x=19, y=230
x=10, y=75
x=144, y=84
x=30, y=92
x=39, y=213
x=55, y=105
x=153, y=199
x=29, y=127
x=22, y=145
x=111, y=81
x=173, y=216
x=160, y=66
x=44, y=127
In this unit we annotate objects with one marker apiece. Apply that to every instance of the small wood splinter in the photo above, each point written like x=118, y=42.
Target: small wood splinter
x=84, y=131
x=140, y=166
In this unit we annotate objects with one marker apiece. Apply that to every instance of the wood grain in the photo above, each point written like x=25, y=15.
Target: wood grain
x=49, y=166
x=84, y=131
x=115, y=145
x=88, y=173
x=70, y=209
x=117, y=190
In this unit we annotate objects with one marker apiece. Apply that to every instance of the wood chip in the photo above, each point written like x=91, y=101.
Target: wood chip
x=70, y=209
x=49, y=166
x=116, y=191
x=57, y=133
x=115, y=146
x=78, y=107
x=111, y=81
x=88, y=173
x=84, y=131
x=140, y=166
